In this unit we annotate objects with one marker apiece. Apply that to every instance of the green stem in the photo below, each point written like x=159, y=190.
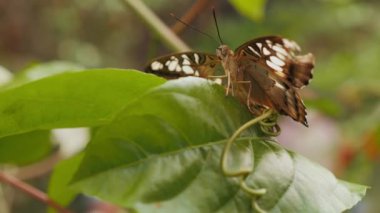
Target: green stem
x=164, y=33
x=257, y=208
x=249, y=190
x=236, y=134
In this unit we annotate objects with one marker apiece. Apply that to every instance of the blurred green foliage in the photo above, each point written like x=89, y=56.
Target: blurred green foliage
x=253, y=9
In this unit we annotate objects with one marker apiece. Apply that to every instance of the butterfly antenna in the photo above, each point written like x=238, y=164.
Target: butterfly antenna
x=193, y=28
x=216, y=25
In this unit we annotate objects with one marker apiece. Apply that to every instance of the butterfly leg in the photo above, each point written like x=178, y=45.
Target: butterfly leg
x=229, y=84
x=249, y=92
x=216, y=76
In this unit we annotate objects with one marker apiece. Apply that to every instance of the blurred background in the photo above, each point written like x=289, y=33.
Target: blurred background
x=343, y=100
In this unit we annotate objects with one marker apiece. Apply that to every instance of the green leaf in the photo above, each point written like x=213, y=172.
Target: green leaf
x=86, y=98
x=58, y=186
x=253, y=9
x=25, y=148
x=178, y=114
x=162, y=154
x=311, y=187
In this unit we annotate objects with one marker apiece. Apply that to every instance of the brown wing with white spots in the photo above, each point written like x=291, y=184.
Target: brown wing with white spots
x=270, y=93
x=275, y=73
x=183, y=64
x=279, y=55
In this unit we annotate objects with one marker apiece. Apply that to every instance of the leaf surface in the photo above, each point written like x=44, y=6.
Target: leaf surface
x=86, y=98
x=25, y=148
x=162, y=154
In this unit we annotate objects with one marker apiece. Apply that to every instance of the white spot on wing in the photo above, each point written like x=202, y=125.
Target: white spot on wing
x=266, y=51
x=173, y=64
x=186, y=62
x=184, y=56
x=259, y=45
x=280, y=56
x=273, y=66
x=291, y=44
x=269, y=42
x=196, y=73
x=188, y=70
x=279, y=85
x=196, y=58
x=277, y=61
x=279, y=49
x=156, y=65
x=253, y=50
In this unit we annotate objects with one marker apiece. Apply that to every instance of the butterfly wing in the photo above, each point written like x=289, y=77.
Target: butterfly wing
x=274, y=70
x=279, y=55
x=183, y=64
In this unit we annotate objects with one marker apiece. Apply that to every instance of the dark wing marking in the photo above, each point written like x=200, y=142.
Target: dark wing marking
x=279, y=55
x=183, y=64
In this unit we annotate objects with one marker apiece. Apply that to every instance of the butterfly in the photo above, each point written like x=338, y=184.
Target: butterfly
x=264, y=73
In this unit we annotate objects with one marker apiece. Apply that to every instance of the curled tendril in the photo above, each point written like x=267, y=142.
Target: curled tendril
x=250, y=190
x=268, y=125
x=256, y=207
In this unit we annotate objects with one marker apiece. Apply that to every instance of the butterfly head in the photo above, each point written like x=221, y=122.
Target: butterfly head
x=223, y=51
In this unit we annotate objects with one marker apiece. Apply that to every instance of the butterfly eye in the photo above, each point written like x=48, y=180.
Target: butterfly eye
x=222, y=52
x=219, y=53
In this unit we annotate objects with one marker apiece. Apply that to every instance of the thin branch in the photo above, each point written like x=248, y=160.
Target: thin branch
x=157, y=25
x=190, y=15
x=32, y=191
